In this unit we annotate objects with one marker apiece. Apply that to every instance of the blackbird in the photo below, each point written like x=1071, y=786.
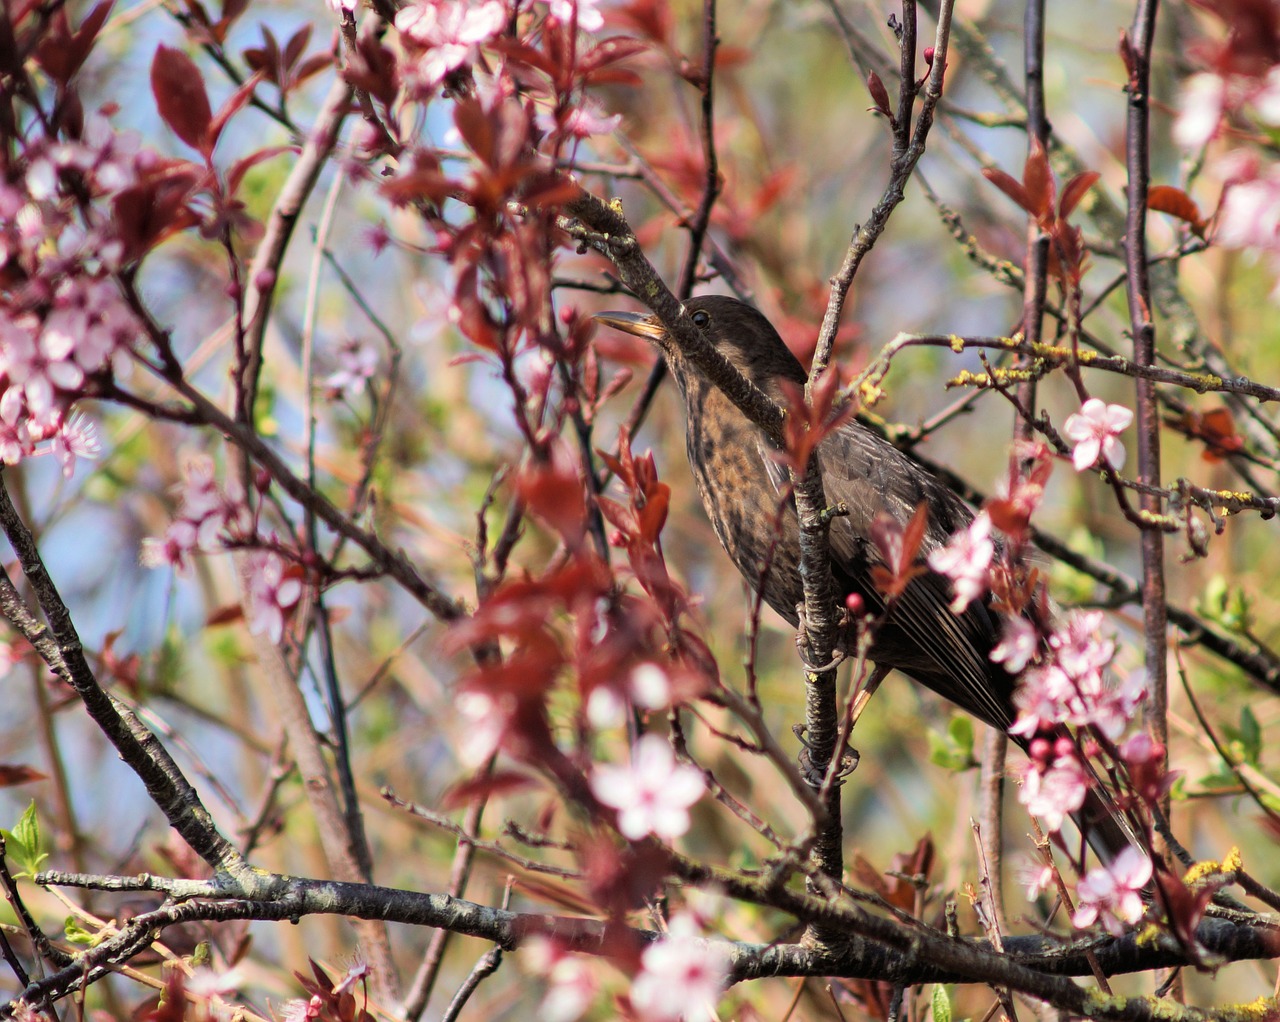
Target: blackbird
x=741, y=484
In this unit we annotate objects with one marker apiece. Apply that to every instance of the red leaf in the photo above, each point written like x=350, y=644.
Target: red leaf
x=61, y=53
x=238, y=169
x=1216, y=428
x=1037, y=179
x=1009, y=186
x=654, y=513
x=913, y=535
x=493, y=785
x=898, y=546
x=181, y=99
x=523, y=53
x=237, y=101
x=146, y=213
x=17, y=773
x=1076, y=190
x=610, y=52
x=553, y=491
x=879, y=95
x=1177, y=203
x=297, y=43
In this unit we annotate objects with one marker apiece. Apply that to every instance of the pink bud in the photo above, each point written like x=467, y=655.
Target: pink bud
x=928, y=55
x=855, y=605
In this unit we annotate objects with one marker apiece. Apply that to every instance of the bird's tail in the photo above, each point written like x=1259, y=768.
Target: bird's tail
x=1105, y=826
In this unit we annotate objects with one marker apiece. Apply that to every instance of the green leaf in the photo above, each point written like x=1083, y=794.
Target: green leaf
x=1250, y=737
x=24, y=843
x=1226, y=605
x=77, y=934
x=954, y=750
x=941, y=1004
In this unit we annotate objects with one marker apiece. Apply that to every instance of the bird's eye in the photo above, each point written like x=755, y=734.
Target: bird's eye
x=701, y=319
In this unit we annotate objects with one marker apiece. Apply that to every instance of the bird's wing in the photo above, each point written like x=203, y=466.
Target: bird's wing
x=924, y=638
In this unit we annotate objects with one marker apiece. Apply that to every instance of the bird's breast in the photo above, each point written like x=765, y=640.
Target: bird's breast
x=753, y=519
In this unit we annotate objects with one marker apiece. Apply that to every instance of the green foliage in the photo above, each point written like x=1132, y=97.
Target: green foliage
x=1226, y=605
x=25, y=844
x=77, y=934
x=1068, y=585
x=953, y=751
x=940, y=1003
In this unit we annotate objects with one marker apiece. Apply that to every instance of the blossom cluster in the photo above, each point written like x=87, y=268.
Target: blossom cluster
x=63, y=320
x=1240, y=87
x=207, y=517
x=681, y=976
x=1062, y=666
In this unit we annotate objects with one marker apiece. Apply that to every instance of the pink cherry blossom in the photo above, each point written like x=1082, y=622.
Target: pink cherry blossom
x=572, y=985
x=76, y=438
x=357, y=363
x=1250, y=215
x=1055, y=793
x=270, y=594
x=589, y=18
x=37, y=365
x=647, y=686
x=1041, y=697
x=1141, y=748
x=1112, y=895
x=1035, y=876
x=173, y=549
x=1200, y=110
x=653, y=794
x=206, y=518
x=21, y=1011
x=966, y=560
x=682, y=976
x=1095, y=430
x=299, y=1010
x=447, y=33
x=579, y=122
x=1018, y=643
x=1079, y=644
x=488, y=718
x=15, y=434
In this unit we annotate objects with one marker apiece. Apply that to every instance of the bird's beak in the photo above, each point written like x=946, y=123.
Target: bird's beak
x=632, y=323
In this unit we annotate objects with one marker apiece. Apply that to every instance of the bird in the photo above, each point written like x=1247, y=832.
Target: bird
x=741, y=482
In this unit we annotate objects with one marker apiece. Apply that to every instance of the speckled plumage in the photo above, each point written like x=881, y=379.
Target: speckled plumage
x=742, y=484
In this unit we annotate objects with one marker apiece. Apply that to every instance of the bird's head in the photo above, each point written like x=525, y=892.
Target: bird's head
x=739, y=331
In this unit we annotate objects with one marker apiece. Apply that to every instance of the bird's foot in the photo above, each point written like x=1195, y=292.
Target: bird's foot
x=815, y=775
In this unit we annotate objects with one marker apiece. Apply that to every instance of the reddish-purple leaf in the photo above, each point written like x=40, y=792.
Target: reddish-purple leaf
x=19, y=773
x=1076, y=190
x=879, y=94
x=1009, y=186
x=61, y=52
x=610, y=52
x=313, y=65
x=1177, y=203
x=237, y=101
x=1037, y=180
x=297, y=43
x=493, y=785
x=181, y=99
x=238, y=169
x=232, y=9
